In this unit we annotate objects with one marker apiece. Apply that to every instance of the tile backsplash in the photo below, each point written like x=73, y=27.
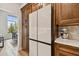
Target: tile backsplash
x=73, y=32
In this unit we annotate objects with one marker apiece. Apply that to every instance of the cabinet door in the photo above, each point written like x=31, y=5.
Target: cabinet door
x=32, y=48
x=44, y=50
x=67, y=14
x=44, y=24
x=65, y=53
x=33, y=25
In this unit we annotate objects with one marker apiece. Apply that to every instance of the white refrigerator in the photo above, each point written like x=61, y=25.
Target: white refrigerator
x=33, y=34
x=40, y=32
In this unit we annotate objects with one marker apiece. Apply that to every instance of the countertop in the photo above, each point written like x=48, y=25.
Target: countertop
x=70, y=42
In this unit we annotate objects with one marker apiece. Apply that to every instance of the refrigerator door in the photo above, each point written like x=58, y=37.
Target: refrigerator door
x=33, y=25
x=44, y=50
x=32, y=48
x=44, y=24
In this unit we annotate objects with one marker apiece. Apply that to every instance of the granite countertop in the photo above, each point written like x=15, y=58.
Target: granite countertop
x=70, y=42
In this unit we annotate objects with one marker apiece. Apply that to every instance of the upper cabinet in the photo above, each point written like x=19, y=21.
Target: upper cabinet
x=67, y=14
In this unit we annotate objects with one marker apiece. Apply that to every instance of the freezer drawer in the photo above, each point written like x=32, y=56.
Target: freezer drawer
x=44, y=50
x=33, y=25
x=32, y=48
x=44, y=24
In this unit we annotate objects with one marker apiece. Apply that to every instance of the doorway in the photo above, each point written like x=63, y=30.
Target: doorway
x=12, y=29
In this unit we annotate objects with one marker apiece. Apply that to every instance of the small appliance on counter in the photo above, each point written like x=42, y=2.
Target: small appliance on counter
x=63, y=32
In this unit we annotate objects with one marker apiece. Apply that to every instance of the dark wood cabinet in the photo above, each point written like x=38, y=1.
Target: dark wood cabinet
x=66, y=50
x=67, y=14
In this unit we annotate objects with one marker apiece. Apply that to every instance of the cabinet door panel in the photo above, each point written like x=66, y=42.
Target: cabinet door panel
x=33, y=25
x=66, y=11
x=44, y=24
x=67, y=14
x=44, y=50
x=69, y=11
x=32, y=48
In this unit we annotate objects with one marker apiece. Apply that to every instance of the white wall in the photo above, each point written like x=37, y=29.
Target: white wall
x=14, y=9
x=3, y=23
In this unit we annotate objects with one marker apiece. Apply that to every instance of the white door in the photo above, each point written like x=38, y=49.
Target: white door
x=44, y=24
x=44, y=50
x=32, y=48
x=33, y=25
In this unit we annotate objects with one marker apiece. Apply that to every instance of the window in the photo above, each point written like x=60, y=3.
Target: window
x=12, y=23
x=11, y=20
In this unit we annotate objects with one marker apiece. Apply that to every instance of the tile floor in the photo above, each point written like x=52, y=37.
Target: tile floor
x=10, y=49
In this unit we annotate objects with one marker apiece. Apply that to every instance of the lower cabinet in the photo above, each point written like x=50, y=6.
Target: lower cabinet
x=60, y=52
x=66, y=50
x=32, y=48
x=44, y=50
